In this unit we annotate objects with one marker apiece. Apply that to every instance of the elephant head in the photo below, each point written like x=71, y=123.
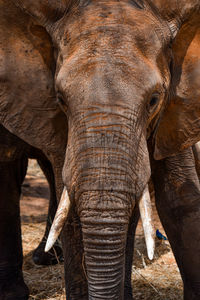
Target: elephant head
x=113, y=78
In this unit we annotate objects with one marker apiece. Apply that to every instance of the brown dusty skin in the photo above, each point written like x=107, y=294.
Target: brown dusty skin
x=157, y=280
x=114, y=73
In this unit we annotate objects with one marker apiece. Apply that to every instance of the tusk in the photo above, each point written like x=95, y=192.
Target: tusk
x=146, y=216
x=59, y=220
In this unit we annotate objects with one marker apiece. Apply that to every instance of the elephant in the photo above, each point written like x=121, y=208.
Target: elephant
x=125, y=74
x=13, y=166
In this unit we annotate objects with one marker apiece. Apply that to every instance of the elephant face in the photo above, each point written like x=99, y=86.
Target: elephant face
x=112, y=81
x=121, y=58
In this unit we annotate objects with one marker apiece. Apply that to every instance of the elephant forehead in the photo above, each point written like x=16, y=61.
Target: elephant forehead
x=108, y=77
x=125, y=46
x=110, y=24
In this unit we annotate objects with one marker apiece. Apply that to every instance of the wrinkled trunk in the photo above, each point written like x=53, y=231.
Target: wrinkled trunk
x=104, y=230
x=106, y=151
x=102, y=166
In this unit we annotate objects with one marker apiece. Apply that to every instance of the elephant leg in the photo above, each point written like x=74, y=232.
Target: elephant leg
x=12, y=286
x=75, y=274
x=177, y=193
x=129, y=252
x=54, y=255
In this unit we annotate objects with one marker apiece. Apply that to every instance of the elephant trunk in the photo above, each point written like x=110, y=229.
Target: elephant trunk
x=104, y=231
x=104, y=172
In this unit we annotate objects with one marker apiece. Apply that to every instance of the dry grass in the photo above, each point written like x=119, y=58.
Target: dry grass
x=44, y=282
x=156, y=280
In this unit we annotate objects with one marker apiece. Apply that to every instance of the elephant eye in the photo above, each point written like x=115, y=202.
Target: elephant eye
x=60, y=101
x=153, y=103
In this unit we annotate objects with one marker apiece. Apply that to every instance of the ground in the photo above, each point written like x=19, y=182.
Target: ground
x=156, y=280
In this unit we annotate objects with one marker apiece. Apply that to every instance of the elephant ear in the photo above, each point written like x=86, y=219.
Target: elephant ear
x=179, y=126
x=45, y=11
x=27, y=98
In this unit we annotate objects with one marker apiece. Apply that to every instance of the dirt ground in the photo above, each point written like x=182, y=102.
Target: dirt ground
x=156, y=280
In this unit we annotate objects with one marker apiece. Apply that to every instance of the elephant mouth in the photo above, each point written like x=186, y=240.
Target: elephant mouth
x=145, y=213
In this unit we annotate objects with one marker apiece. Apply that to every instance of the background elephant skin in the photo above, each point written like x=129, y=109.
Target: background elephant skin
x=26, y=55
x=14, y=154
x=120, y=79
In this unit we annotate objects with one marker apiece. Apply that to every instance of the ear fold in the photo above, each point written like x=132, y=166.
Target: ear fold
x=45, y=11
x=179, y=126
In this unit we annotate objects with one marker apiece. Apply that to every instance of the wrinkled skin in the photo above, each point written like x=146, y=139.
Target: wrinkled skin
x=122, y=77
